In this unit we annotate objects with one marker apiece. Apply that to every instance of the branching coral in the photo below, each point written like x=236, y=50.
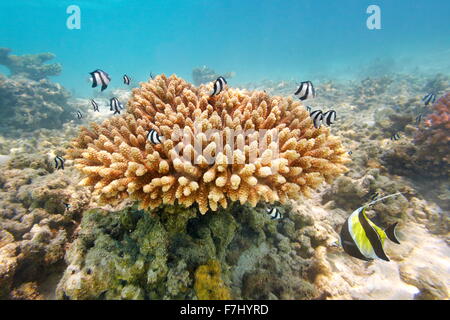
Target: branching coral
x=238, y=145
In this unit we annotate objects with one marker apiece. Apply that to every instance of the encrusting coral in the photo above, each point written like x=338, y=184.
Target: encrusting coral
x=263, y=148
x=208, y=283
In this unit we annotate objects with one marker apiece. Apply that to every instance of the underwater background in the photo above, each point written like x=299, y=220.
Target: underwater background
x=60, y=239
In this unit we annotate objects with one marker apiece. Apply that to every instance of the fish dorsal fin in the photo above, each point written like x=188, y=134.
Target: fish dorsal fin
x=390, y=233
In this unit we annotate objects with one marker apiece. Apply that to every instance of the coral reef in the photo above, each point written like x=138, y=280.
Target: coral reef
x=282, y=157
x=175, y=253
x=29, y=105
x=30, y=66
x=202, y=75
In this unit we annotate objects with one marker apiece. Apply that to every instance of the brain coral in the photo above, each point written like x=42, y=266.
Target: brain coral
x=237, y=145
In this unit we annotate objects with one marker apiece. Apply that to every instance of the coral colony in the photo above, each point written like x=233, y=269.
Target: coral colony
x=215, y=149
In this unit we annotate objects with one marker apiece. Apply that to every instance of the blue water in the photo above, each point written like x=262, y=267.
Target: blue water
x=258, y=39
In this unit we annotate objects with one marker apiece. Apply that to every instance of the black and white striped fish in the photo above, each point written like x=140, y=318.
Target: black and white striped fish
x=115, y=105
x=363, y=239
x=308, y=108
x=305, y=91
x=100, y=77
x=219, y=85
x=274, y=213
x=126, y=79
x=429, y=98
x=395, y=137
x=329, y=117
x=59, y=163
x=374, y=196
x=95, y=105
x=419, y=119
x=79, y=115
x=316, y=117
x=153, y=137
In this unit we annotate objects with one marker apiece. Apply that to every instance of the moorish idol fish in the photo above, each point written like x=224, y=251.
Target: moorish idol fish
x=219, y=84
x=79, y=115
x=126, y=79
x=364, y=240
x=305, y=91
x=329, y=117
x=153, y=137
x=100, y=77
x=429, y=98
x=115, y=105
x=316, y=117
x=59, y=163
x=395, y=137
x=274, y=213
x=95, y=105
x=419, y=119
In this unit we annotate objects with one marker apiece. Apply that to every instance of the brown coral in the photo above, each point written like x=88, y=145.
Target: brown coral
x=238, y=145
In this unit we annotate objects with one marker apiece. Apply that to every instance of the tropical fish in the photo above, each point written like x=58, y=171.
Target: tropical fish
x=67, y=205
x=100, y=77
x=429, y=98
x=364, y=240
x=350, y=152
x=274, y=213
x=126, y=79
x=419, y=119
x=329, y=117
x=95, y=105
x=395, y=137
x=305, y=91
x=79, y=115
x=151, y=75
x=316, y=117
x=219, y=84
x=153, y=137
x=59, y=163
x=374, y=196
x=115, y=105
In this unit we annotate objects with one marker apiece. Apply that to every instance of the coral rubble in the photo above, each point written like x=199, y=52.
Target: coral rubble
x=282, y=157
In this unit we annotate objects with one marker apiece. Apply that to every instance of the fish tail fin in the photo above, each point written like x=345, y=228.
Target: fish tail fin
x=390, y=233
x=104, y=87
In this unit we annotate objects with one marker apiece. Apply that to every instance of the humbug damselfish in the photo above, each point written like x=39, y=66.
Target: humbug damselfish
x=364, y=240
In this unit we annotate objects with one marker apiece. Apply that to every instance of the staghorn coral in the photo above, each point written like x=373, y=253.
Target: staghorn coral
x=208, y=283
x=279, y=156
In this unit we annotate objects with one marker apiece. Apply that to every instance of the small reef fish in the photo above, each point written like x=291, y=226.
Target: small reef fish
x=419, y=119
x=274, y=213
x=429, y=98
x=308, y=108
x=329, y=117
x=362, y=239
x=151, y=75
x=126, y=79
x=100, y=77
x=374, y=196
x=79, y=115
x=67, y=205
x=115, y=105
x=154, y=137
x=95, y=105
x=316, y=117
x=395, y=137
x=59, y=163
x=305, y=91
x=350, y=152
x=219, y=84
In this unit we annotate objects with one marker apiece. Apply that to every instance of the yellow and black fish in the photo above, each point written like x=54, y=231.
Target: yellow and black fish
x=364, y=240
